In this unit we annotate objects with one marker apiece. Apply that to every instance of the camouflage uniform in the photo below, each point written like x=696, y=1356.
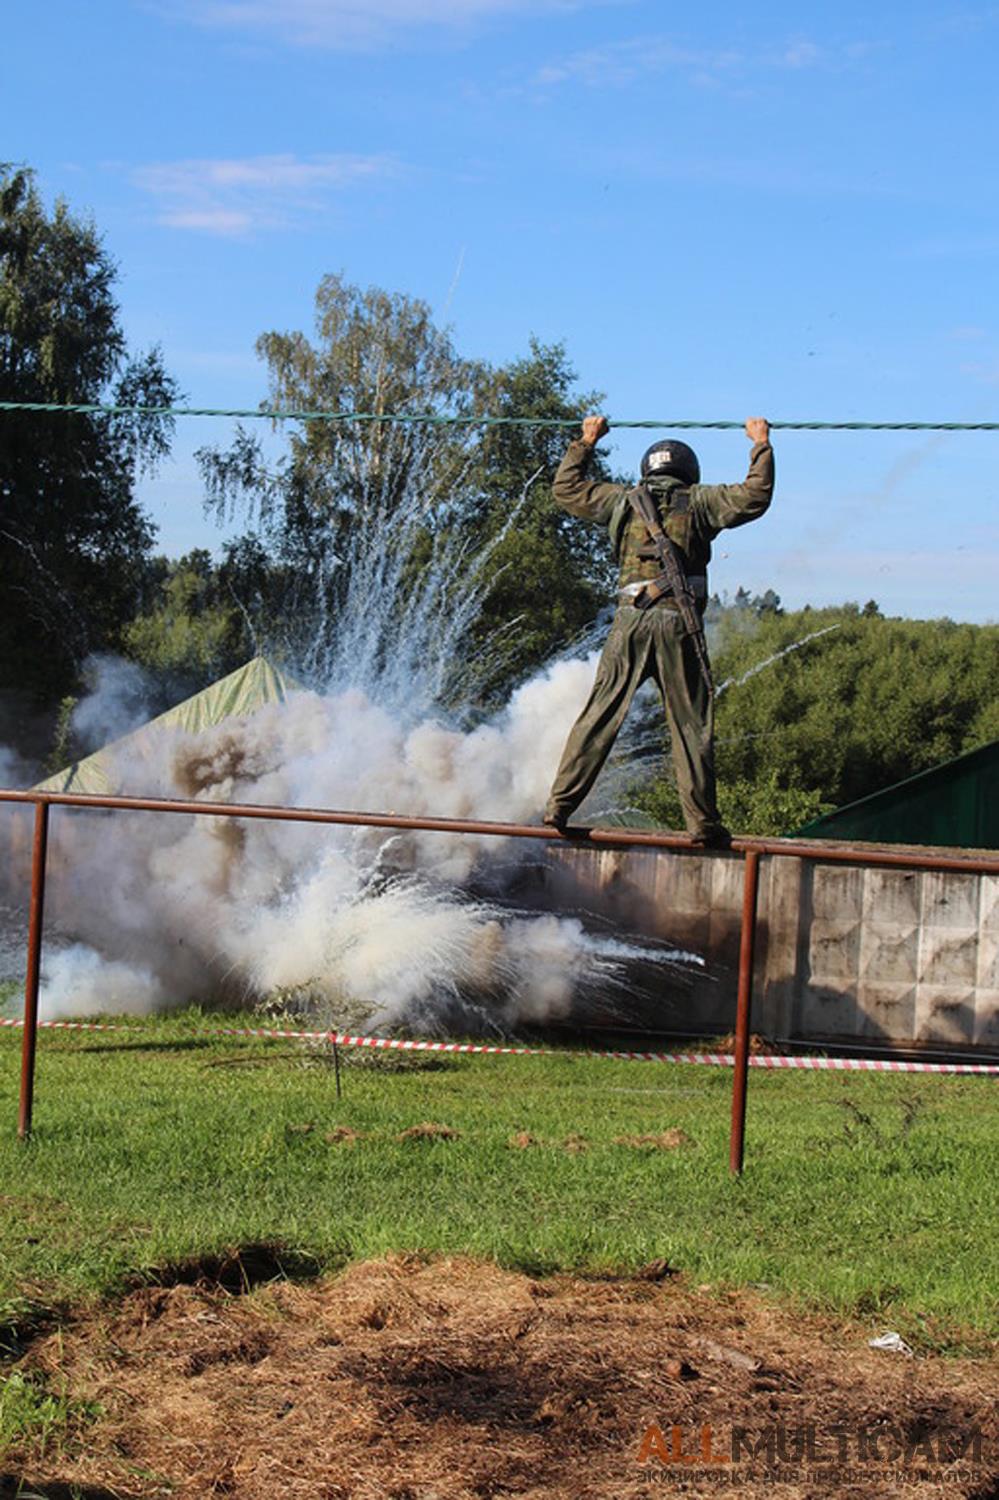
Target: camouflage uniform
x=652, y=642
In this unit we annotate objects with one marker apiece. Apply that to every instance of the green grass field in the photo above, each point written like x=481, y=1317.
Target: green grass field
x=872, y=1195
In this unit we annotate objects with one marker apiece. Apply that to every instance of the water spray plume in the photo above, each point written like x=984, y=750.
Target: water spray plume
x=771, y=660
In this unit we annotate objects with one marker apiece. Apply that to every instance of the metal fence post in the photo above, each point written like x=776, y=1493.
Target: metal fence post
x=740, y=1076
x=35, y=920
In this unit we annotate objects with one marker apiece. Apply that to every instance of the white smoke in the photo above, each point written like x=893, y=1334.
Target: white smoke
x=77, y=981
x=169, y=909
x=15, y=772
x=118, y=699
x=15, y=833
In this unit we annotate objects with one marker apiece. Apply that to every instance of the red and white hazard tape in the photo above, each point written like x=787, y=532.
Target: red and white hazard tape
x=398, y=1044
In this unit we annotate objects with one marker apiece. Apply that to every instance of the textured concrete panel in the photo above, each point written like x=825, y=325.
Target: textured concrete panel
x=828, y=1012
x=834, y=952
x=988, y=961
x=779, y=906
x=710, y=1009
x=781, y=900
x=889, y=952
x=950, y=900
x=989, y=903
x=683, y=896
x=986, y=1033
x=948, y=955
x=841, y=951
x=886, y=1011
x=837, y=891
x=694, y=886
x=946, y=1014
x=892, y=896
x=723, y=938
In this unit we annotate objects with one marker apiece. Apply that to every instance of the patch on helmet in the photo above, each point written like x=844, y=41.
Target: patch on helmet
x=661, y=458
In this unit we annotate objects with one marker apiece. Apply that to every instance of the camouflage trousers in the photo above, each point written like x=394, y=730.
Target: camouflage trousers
x=642, y=644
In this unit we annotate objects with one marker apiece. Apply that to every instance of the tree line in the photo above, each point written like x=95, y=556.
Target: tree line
x=819, y=707
x=79, y=572
x=862, y=703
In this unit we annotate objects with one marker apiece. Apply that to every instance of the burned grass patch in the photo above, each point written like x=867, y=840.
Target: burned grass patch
x=411, y=1376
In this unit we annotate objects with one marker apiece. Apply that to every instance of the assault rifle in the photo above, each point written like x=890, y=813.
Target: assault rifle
x=672, y=580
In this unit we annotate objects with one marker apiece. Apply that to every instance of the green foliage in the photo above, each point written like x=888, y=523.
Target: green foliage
x=74, y=541
x=552, y=574
x=863, y=706
x=766, y=807
x=376, y=352
x=190, y=630
x=865, y=703
x=762, y=807
x=62, y=741
x=28, y=1410
x=660, y=799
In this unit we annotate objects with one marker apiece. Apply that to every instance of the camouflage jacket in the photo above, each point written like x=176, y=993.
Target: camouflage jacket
x=703, y=511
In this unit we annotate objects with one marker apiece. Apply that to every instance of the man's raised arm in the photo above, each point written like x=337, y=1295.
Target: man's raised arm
x=726, y=505
x=591, y=499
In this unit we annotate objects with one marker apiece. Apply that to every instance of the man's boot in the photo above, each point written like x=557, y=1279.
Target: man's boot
x=556, y=817
x=716, y=836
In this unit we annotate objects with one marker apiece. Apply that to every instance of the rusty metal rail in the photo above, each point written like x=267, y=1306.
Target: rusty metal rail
x=618, y=838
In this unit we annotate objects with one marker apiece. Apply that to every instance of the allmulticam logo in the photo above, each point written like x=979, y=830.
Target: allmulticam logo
x=809, y=1446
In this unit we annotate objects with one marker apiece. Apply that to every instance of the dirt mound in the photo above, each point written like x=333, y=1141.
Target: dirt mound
x=430, y=1130
x=666, y=1140
x=452, y=1380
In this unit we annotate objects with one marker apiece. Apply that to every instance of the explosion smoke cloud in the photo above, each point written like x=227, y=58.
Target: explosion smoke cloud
x=170, y=910
x=165, y=910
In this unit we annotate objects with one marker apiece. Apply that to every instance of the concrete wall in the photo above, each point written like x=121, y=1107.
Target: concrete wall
x=843, y=953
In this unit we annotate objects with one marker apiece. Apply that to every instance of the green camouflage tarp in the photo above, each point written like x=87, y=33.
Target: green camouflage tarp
x=236, y=696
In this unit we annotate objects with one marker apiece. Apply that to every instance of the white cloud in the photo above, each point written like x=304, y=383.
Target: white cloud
x=622, y=61
x=783, y=177
x=239, y=195
x=800, y=54
x=913, y=582
x=211, y=220
x=987, y=373
x=349, y=25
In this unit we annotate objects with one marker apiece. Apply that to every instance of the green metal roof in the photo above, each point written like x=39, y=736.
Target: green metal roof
x=954, y=805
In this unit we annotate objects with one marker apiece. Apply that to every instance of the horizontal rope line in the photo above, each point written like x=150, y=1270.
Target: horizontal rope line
x=398, y=1044
x=435, y=419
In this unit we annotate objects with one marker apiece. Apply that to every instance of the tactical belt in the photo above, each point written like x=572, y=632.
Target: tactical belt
x=632, y=593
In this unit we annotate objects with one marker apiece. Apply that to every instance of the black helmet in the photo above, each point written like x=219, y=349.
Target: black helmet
x=670, y=456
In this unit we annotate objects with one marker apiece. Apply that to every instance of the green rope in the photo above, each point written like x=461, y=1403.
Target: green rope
x=434, y=419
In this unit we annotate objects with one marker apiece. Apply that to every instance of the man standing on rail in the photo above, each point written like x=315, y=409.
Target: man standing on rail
x=661, y=533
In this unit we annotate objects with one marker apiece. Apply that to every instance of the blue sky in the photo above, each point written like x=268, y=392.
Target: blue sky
x=722, y=210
